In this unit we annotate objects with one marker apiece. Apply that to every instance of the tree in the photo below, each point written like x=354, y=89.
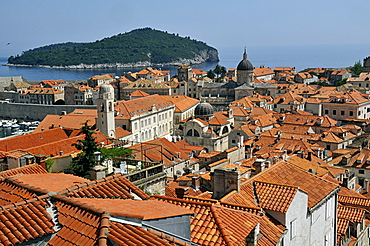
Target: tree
x=217, y=70
x=86, y=159
x=211, y=74
x=357, y=68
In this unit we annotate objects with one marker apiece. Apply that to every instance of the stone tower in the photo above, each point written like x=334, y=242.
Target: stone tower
x=184, y=72
x=105, y=122
x=244, y=71
x=367, y=64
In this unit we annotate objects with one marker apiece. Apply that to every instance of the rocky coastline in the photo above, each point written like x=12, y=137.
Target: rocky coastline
x=205, y=56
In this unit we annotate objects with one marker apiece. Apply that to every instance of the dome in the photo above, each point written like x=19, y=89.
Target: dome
x=245, y=64
x=204, y=110
x=106, y=89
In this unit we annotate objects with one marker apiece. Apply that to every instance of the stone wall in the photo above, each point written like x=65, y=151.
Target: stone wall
x=36, y=111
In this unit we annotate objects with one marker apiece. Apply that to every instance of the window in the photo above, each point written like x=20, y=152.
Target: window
x=342, y=112
x=359, y=113
x=350, y=113
x=293, y=229
x=328, y=208
x=334, y=112
x=326, y=111
x=328, y=146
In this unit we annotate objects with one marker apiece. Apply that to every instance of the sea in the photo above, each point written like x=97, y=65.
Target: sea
x=298, y=56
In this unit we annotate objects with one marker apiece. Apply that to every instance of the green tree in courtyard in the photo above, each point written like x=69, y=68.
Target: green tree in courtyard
x=357, y=68
x=85, y=160
x=211, y=74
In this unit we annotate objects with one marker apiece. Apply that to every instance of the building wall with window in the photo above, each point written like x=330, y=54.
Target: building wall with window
x=316, y=227
x=344, y=110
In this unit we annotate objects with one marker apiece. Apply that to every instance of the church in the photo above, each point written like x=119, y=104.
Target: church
x=220, y=95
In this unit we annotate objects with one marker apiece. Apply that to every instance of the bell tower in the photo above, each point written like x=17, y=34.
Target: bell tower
x=105, y=122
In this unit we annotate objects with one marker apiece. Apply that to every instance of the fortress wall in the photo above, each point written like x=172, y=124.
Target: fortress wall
x=36, y=111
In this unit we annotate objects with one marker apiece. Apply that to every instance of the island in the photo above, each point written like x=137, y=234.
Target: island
x=138, y=48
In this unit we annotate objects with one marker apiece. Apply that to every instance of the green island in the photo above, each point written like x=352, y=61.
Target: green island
x=140, y=47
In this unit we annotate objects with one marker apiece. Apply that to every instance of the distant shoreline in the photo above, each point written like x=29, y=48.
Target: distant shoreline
x=114, y=65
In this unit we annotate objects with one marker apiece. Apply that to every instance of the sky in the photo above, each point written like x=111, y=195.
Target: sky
x=26, y=24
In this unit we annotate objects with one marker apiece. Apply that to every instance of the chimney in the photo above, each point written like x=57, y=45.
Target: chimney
x=224, y=180
x=98, y=171
x=181, y=192
x=195, y=182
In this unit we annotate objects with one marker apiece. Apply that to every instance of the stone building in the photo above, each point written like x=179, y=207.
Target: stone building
x=366, y=65
x=206, y=128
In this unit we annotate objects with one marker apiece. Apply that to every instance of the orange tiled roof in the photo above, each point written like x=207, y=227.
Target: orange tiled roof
x=181, y=102
x=214, y=224
x=138, y=93
x=342, y=226
x=73, y=120
x=351, y=213
x=354, y=201
x=288, y=174
x=11, y=193
x=151, y=150
x=144, y=209
x=24, y=222
x=123, y=234
x=32, y=139
x=260, y=71
x=28, y=169
x=128, y=109
x=80, y=226
x=46, y=182
x=115, y=186
x=274, y=197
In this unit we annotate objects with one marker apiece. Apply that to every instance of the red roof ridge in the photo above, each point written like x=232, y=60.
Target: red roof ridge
x=241, y=207
x=88, y=184
x=82, y=205
x=21, y=203
x=22, y=170
x=200, y=199
x=15, y=181
x=221, y=227
x=158, y=197
x=272, y=183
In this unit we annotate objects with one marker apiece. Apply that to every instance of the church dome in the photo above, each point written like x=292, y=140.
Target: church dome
x=245, y=64
x=105, y=89
x=204, y=111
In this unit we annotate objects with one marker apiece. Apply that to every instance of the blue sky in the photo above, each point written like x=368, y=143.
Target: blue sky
x=28, y=24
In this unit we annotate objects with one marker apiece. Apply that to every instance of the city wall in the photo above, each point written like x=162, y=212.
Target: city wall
x=36, y=111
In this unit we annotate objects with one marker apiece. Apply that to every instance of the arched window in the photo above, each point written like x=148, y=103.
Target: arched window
x=189, y=133
x=102, y=107
x=110, y=106
x=225, y=130
x=196, y=133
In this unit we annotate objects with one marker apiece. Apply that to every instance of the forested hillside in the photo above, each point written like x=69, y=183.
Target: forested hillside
x=144, y=44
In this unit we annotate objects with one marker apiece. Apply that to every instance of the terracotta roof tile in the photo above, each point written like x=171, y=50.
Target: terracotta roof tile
x=46, y=182
x=274, y=197
x=271, y=232
x=114, y=187
x=129, y=235
x=10, y=193
x=214, y=224
x=287, y=174
x=25, y=222
x=351, y=213
x=145, y=209
x=181, y=102
x=32, y=139
x=80, y=227
x=28, y=169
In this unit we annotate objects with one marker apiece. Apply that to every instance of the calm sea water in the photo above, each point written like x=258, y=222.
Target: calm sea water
x=299, y=56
